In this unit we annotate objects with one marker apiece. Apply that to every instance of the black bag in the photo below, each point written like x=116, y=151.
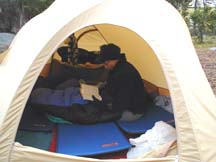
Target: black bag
x=90, y=113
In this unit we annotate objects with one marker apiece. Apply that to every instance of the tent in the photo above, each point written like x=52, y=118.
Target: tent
x=155, y=39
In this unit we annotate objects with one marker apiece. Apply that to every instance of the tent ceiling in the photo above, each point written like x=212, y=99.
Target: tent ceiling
x=137, y=50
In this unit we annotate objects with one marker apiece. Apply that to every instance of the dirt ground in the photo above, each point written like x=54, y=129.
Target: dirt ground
x=208, y=62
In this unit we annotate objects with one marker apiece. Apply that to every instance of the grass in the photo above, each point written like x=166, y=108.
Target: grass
x=209, y=41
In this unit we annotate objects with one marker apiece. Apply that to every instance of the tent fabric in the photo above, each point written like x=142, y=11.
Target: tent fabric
x=92, y=39
x=155, y=39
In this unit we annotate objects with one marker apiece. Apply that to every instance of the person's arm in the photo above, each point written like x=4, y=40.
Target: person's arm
x=92, y=66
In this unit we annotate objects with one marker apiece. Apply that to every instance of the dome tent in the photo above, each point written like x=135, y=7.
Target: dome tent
x=163, y=38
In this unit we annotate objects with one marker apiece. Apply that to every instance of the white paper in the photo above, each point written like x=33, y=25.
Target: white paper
x=88, y=91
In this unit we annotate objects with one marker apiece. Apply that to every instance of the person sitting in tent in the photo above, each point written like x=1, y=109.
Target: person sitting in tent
x=124, y=84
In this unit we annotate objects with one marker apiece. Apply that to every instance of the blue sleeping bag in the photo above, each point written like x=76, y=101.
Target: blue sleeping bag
x=65, y=97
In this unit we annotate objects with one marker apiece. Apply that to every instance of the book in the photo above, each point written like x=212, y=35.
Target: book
x=89, y=90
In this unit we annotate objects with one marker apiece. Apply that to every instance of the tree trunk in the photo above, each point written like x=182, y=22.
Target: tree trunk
x=195, y=4
x=201, y=36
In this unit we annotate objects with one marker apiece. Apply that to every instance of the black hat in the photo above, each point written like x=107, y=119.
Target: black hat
x=110, y=52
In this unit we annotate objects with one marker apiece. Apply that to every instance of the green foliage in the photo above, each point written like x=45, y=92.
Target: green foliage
x=209, y=41
x=212, y=21
x=204, y=21
x=7, y=16
x=180, y=4
x=15, y=13
x=34, y=7
x=200, y=20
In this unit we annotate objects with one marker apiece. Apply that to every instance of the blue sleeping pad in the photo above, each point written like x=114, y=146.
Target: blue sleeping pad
x=85, y=140
x=146, y=122
x=40, y=140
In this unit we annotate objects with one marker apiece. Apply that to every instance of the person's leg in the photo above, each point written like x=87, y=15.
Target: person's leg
x=129, y=116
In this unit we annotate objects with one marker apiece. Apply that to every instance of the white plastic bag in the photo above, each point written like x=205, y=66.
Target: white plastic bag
x=162, y=133
x=164, y=102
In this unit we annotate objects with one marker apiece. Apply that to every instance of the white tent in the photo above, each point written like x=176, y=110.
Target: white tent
x=155, y=39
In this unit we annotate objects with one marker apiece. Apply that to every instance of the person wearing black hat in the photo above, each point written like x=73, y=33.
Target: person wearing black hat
x=124, y=84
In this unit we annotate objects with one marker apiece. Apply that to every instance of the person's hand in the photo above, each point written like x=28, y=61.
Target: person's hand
x=101, y=85
x=96, y=100
x=93, y=66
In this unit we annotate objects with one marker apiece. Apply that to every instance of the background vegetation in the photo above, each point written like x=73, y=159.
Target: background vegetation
x=200, y=16
x=15, y=13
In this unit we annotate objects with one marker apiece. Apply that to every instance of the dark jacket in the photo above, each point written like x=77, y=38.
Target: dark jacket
x=126, y=88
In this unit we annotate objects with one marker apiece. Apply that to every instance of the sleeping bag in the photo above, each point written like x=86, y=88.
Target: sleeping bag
x=89, y=113
x=57, y=97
